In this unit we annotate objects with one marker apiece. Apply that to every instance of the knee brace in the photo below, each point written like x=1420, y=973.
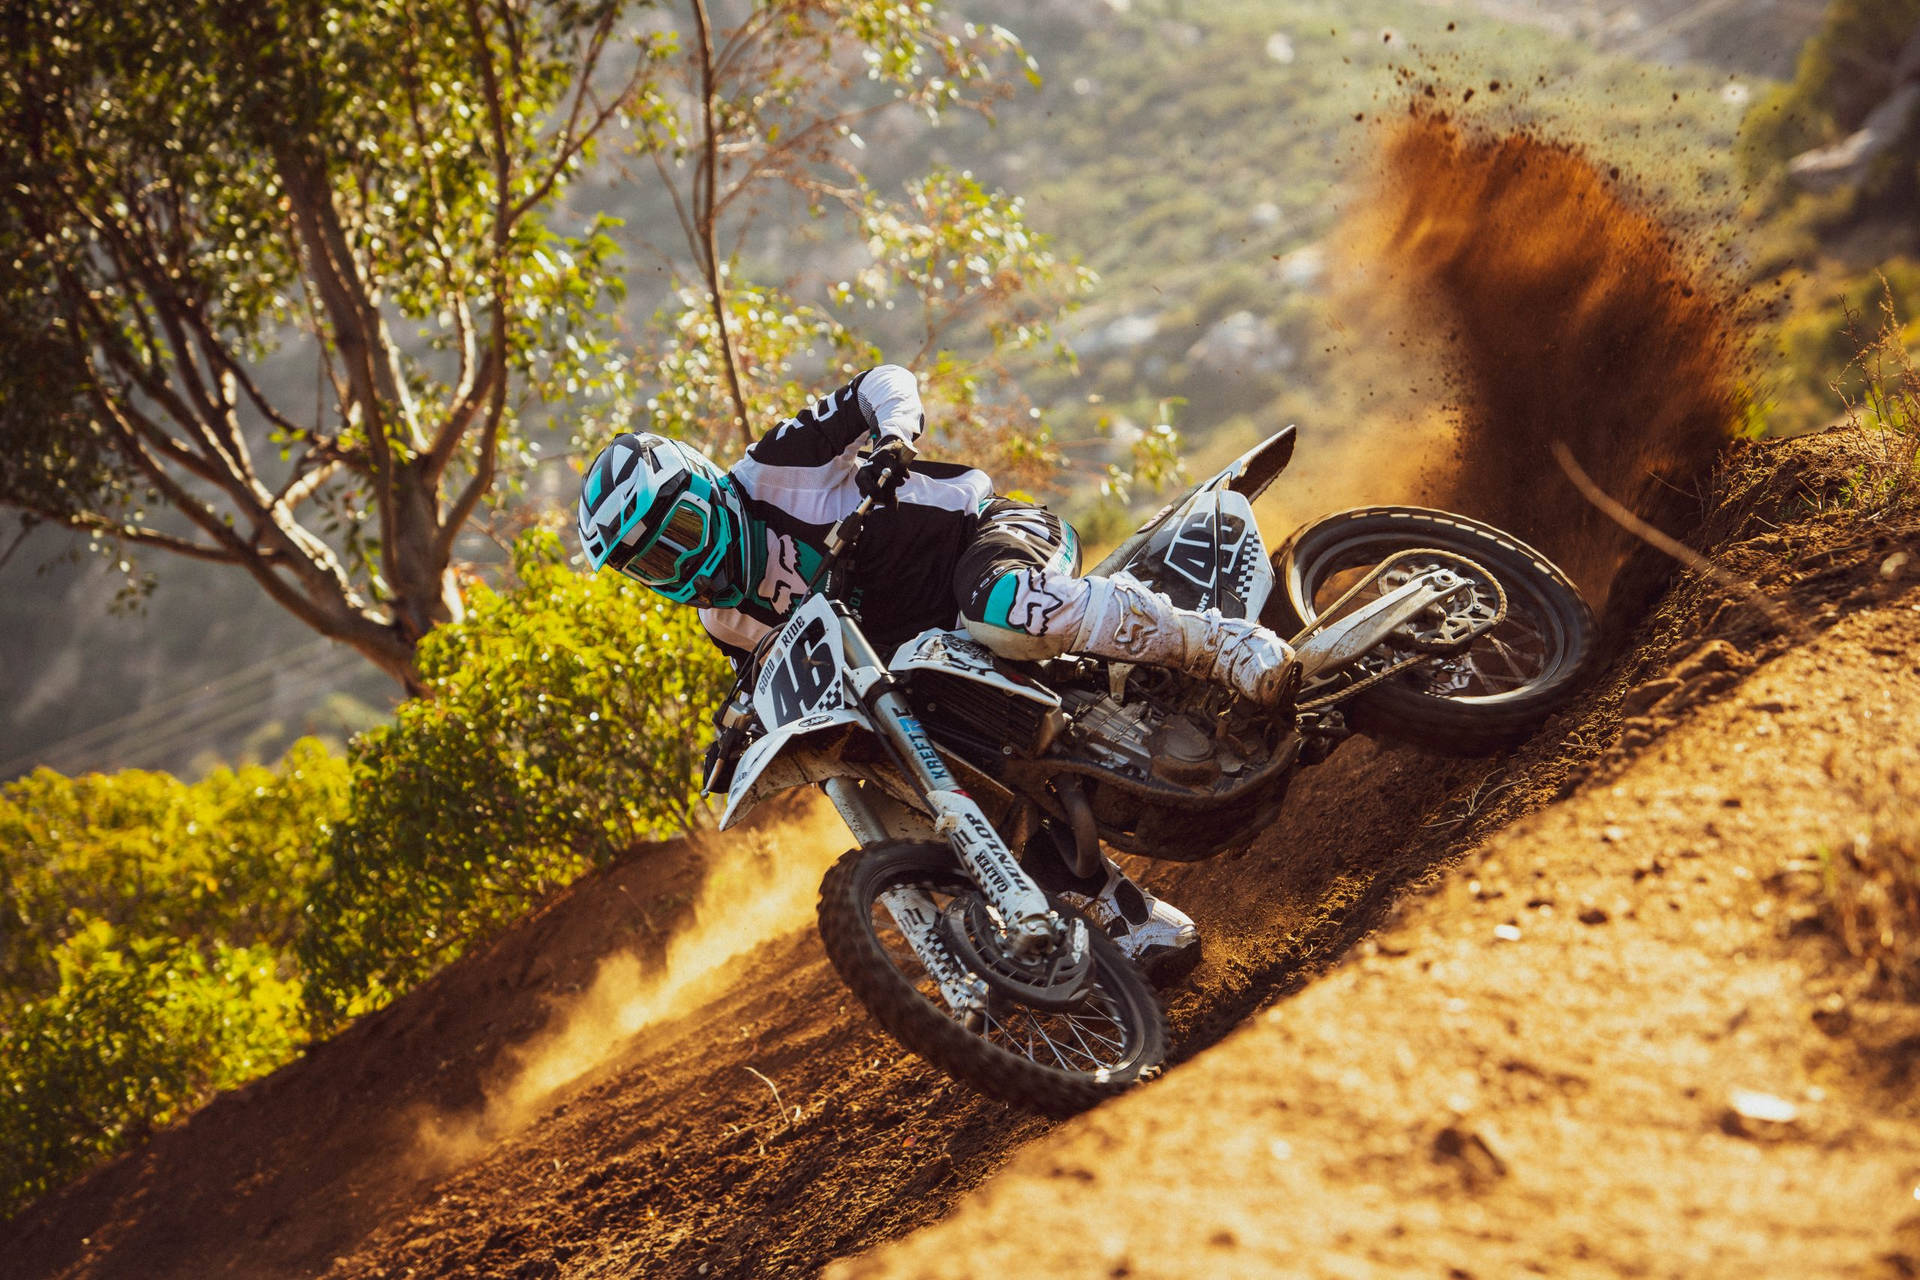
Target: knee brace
x=1027, y=614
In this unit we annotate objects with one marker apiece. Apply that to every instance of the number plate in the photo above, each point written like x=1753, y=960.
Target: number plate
x=800, y=674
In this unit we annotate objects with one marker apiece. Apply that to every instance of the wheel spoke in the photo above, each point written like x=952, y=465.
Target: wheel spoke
x=1115, y=1045
x=1096, y=1036
x=1054, y=1050
x=1073, y=1025
x=1025, y=1031
x=1505, y=652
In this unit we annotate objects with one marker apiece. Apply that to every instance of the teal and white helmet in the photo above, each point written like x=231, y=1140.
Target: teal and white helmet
x=663, y=514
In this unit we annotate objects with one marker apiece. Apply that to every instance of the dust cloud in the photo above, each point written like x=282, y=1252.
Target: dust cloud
x=760, y=884
x=1557, y=308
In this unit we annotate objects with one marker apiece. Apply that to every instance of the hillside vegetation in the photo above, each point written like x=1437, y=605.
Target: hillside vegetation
x=165, y=940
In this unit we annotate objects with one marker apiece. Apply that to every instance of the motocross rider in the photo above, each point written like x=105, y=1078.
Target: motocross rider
x=939, y=546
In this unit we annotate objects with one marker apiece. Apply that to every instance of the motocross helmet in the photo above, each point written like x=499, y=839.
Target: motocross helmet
x=663, y=514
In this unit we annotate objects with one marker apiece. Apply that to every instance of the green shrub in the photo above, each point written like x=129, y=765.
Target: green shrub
x=144, y=926
x=136, y=1032
x=229, y=857
x=566, y=720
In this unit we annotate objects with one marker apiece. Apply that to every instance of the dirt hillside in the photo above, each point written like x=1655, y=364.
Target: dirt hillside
x=1563, y=1098
x=676, y=1153
x=1616, y=1041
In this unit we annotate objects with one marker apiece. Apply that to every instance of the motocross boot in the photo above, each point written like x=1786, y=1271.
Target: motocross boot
x=1128, y=622
x=1157, y=936
x=1160, y=939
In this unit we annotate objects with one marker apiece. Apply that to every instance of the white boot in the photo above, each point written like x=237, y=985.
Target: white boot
x=1155, y=935
x=1127, y=621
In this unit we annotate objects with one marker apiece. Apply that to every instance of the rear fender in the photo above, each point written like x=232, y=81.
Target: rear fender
x=1248, y=475
x=1208, y=555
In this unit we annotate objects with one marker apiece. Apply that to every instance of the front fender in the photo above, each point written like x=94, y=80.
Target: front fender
x=779, y=762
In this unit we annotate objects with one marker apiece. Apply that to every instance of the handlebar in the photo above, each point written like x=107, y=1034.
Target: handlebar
x=844, y=536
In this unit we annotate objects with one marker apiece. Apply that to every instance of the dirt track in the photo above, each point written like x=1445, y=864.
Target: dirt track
x=1600, y=1049
x=772, y=1130
x=1561, y=1078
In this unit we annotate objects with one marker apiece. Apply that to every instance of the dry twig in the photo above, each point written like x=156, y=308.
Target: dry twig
x=1672, y=546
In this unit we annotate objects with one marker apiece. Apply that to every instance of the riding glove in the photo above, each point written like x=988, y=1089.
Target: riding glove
x=884, y=470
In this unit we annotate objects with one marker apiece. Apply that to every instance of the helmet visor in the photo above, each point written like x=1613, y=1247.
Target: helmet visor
x=676, y=550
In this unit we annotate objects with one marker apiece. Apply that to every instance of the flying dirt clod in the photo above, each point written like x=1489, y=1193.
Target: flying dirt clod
x=1565, y=311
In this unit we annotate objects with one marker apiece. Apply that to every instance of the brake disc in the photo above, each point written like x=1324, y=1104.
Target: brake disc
x=1056, y=982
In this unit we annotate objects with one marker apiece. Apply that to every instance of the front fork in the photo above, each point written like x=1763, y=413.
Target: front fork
x=1032, y=926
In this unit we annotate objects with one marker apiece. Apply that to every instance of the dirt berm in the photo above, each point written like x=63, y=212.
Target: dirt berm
x=1611, y=1033
x=1616, y=1039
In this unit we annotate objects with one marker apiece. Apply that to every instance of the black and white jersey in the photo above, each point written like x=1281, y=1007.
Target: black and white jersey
x=798, y=479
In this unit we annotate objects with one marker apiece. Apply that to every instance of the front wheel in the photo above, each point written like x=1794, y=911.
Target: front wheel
x=1058, y=1062
x=1489, y=696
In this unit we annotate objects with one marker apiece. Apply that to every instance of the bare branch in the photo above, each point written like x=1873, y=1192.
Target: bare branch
x=93, y=522
x=330, y=263
x=463, y=390
x=785, y=157
x=679, y=206
x=1615, y=511
x=221, y=358
x=136, y=433
x=743, y=36
x=300, y=487
x=84, y=313
x=705, y=213
x=481, y=481
x=571, y=143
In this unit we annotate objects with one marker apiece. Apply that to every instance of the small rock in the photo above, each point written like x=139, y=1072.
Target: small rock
x=1752, y=1114
x=1507, y=932
x=1613, y=835
x=1771, y=706
x=1751, y=1104
x=1891, y=567
x=1472, y=1152
x=1593, y=915
x=1805, y=922
x=1833, y=1017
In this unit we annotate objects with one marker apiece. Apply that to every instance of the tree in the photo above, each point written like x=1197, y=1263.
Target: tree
x=958, y=285
x=318, y=230
x=288, y=284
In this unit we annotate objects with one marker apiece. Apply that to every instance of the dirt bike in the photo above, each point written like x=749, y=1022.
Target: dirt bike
x=953, y=767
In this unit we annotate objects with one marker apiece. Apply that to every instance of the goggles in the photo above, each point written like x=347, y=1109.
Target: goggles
x=682, y=560
x=682, y=537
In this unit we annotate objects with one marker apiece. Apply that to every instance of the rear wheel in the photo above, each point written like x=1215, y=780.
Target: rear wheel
x=1054, y=1061
x=1485, y=698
